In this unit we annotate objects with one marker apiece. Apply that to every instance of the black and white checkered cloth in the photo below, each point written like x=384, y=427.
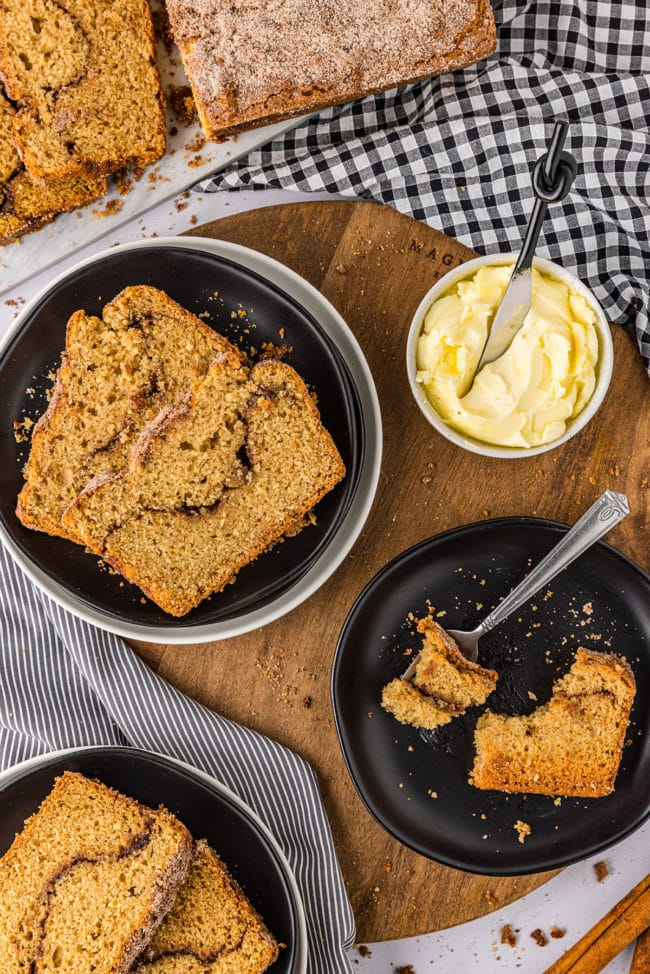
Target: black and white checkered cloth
x=456, y=151
x=66, y=684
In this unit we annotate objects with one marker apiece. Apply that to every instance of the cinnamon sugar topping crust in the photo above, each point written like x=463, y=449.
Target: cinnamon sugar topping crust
x=246, y=59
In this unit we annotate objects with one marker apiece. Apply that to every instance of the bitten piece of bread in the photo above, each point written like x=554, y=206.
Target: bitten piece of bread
x=571, y=745
x=443, y=686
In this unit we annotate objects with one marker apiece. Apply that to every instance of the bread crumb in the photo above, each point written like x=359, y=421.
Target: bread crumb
x=364, y=951
x=601, y=870
x=539, y=937
x=557, y=932
x=508, y=935
x=341, y=269
x=405, y=969
x=182, y=102
x=490, y=897
x=523, y=829
x=110, y=208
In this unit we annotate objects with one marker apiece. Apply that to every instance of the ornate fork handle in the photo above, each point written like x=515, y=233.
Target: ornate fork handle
x=607, y=511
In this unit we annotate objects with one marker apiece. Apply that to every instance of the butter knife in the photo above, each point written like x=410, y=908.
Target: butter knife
x=553, y=177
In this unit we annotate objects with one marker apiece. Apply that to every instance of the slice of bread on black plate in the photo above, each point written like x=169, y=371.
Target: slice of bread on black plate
x=87, y=881
x=212, y=927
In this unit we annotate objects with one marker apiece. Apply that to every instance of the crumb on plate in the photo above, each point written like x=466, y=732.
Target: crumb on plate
x=523, y=829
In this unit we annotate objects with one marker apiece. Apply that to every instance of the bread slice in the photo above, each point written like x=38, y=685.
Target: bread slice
x=211, y=484
x=211, y=929
x=85, y=884
x=250, y=64
x=443, y=686
x=569, y=746
x=24, y=204
x=85, y=78
x=117, y=372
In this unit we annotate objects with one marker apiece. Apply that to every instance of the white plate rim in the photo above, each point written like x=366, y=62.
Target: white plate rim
x=355, y=518
x=29, y=764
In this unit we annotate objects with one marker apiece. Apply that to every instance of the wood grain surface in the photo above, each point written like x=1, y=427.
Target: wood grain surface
x=375, y=265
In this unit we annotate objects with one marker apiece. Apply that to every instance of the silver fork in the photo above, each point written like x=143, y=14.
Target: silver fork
x=602, y=516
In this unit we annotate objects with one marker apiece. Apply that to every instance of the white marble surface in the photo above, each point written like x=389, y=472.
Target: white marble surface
x=573, y=900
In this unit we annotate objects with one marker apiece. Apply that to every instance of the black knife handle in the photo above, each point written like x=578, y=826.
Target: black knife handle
x=553, y=177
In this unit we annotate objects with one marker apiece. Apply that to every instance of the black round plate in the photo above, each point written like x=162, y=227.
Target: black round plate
x=399, y=770
x=154, y=780
x=190, y=277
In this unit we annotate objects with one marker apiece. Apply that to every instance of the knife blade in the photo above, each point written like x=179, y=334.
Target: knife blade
x=510, y=315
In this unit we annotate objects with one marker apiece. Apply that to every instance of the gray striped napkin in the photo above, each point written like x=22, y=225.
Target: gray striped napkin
x=66, y=684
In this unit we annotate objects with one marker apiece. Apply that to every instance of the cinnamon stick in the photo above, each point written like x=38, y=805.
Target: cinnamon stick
x=625, y=921
x=641, y=959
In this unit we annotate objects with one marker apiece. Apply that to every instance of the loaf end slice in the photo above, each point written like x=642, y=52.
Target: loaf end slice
x=443, y=686
x=87, y=881
x=571, y=745
x=211, y=928
x=211, y=484
x=116, y=374
x=85, y=79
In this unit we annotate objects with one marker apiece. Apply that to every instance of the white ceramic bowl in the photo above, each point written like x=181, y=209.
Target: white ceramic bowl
x=603, y=366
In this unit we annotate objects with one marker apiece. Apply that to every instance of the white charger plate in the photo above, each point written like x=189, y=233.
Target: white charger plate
x=351, y=524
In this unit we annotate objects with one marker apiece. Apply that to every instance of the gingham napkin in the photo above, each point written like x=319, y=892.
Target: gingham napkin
x=66, y=684
x=456, y=152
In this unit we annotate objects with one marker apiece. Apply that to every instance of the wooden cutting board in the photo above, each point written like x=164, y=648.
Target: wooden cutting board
x=375, y=265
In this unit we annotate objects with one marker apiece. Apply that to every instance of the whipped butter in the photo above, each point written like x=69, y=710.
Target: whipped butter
x=545, y=378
